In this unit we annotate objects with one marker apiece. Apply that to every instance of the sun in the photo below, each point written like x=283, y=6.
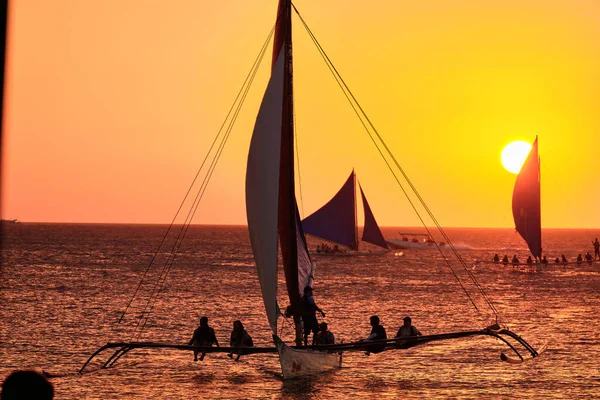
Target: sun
x=514, y=155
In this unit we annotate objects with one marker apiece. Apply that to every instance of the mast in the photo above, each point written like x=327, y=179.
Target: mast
x=287, y=198
x=526, y=204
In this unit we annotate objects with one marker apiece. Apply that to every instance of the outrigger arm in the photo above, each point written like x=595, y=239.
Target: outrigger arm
x=123, y=348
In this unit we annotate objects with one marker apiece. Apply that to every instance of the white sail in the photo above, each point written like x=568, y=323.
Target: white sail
x=262, y=189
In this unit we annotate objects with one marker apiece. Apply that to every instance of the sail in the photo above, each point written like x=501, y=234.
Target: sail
x=336, y=220
x=294, y=254
x=262, y=194
x=371, y=231
x=526, y=202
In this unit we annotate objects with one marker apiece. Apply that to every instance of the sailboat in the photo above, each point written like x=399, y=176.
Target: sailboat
x=271, y=206
x=336, y=222
x=526, y=205
x=274, y=223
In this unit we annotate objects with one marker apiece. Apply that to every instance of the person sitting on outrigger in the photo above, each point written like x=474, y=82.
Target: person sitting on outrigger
x=377, y=333
x=588, y=257
x=529, y=260
x=579, y=259
x=239, y=338
x=544, y=260
x=557, y=260
x=515, y=260
x=324, y=336
x=496, y=259
x=563, y=259
x=505, y=260
x=204, y=335
x=309, y=317
x=408, y=329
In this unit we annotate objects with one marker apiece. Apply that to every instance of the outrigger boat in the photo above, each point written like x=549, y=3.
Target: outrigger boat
x=336, y=222
x=413, y=241
x=273, y=219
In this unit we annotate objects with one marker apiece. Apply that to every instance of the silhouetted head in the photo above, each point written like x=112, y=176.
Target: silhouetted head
x=407, y=321
x=26, y=385
x=237, y=325
x=374, y=320
x=204, y=321
x=323, y=326
x=308, y=290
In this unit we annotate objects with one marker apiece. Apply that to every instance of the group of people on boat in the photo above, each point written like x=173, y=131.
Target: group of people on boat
x=325, y=248
x=530, y=261
x=378, y=333
x=323, y=336
x=204, y=335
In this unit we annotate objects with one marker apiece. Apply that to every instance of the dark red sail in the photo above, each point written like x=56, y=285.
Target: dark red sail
x=371, y=232
x=526, y=202
x=336, y=220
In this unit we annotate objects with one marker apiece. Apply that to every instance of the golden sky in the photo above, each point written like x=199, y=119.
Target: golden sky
x=111, y=105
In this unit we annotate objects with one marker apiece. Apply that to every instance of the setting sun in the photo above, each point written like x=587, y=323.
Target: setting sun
x=514, y=155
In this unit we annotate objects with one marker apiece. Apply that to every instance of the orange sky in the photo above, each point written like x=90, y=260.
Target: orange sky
x=111, y=105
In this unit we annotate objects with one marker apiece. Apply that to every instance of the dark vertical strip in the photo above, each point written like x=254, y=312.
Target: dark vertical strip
x=3, y=21
x=287, y=198
x=355, y=244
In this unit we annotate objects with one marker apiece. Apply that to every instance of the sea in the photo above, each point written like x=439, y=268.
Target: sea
x=68, y=289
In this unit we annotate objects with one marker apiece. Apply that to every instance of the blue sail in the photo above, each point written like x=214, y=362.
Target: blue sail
x=526, y=202
x=336, y=220
x=371, y=232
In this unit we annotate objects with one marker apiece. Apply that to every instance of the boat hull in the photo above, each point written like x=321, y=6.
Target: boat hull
x=302, y=362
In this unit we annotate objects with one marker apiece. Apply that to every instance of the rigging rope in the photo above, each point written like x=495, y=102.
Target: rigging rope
x=230, y=120
x=356, y=107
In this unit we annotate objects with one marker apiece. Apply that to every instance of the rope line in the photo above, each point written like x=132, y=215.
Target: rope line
x=357, y=107
x=229, y=121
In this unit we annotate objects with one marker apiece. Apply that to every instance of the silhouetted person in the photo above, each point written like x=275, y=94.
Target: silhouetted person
x=505, y=260
x=239, y=338
x=564, y=259
x=204, y=335
x=557, y=260
x=596, y=249
x=579, y=259
x=26, y=385
x=529, y=260
x=515, y=260
x=496, y=259
x=544, y=260
x=309, y=317
x=324, y=336
x=377, y=333
x=408, y=329
x=588, y=257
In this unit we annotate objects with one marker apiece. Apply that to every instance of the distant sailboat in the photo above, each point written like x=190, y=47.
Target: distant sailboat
x=336, y=221
x=526, y=205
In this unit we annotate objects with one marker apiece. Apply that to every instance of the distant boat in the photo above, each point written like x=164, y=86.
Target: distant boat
x=10, y=221
x=526, y=205
x=414, y=241
x=336, y=222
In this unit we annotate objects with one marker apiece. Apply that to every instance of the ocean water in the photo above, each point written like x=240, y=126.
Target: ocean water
x=63, y=288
